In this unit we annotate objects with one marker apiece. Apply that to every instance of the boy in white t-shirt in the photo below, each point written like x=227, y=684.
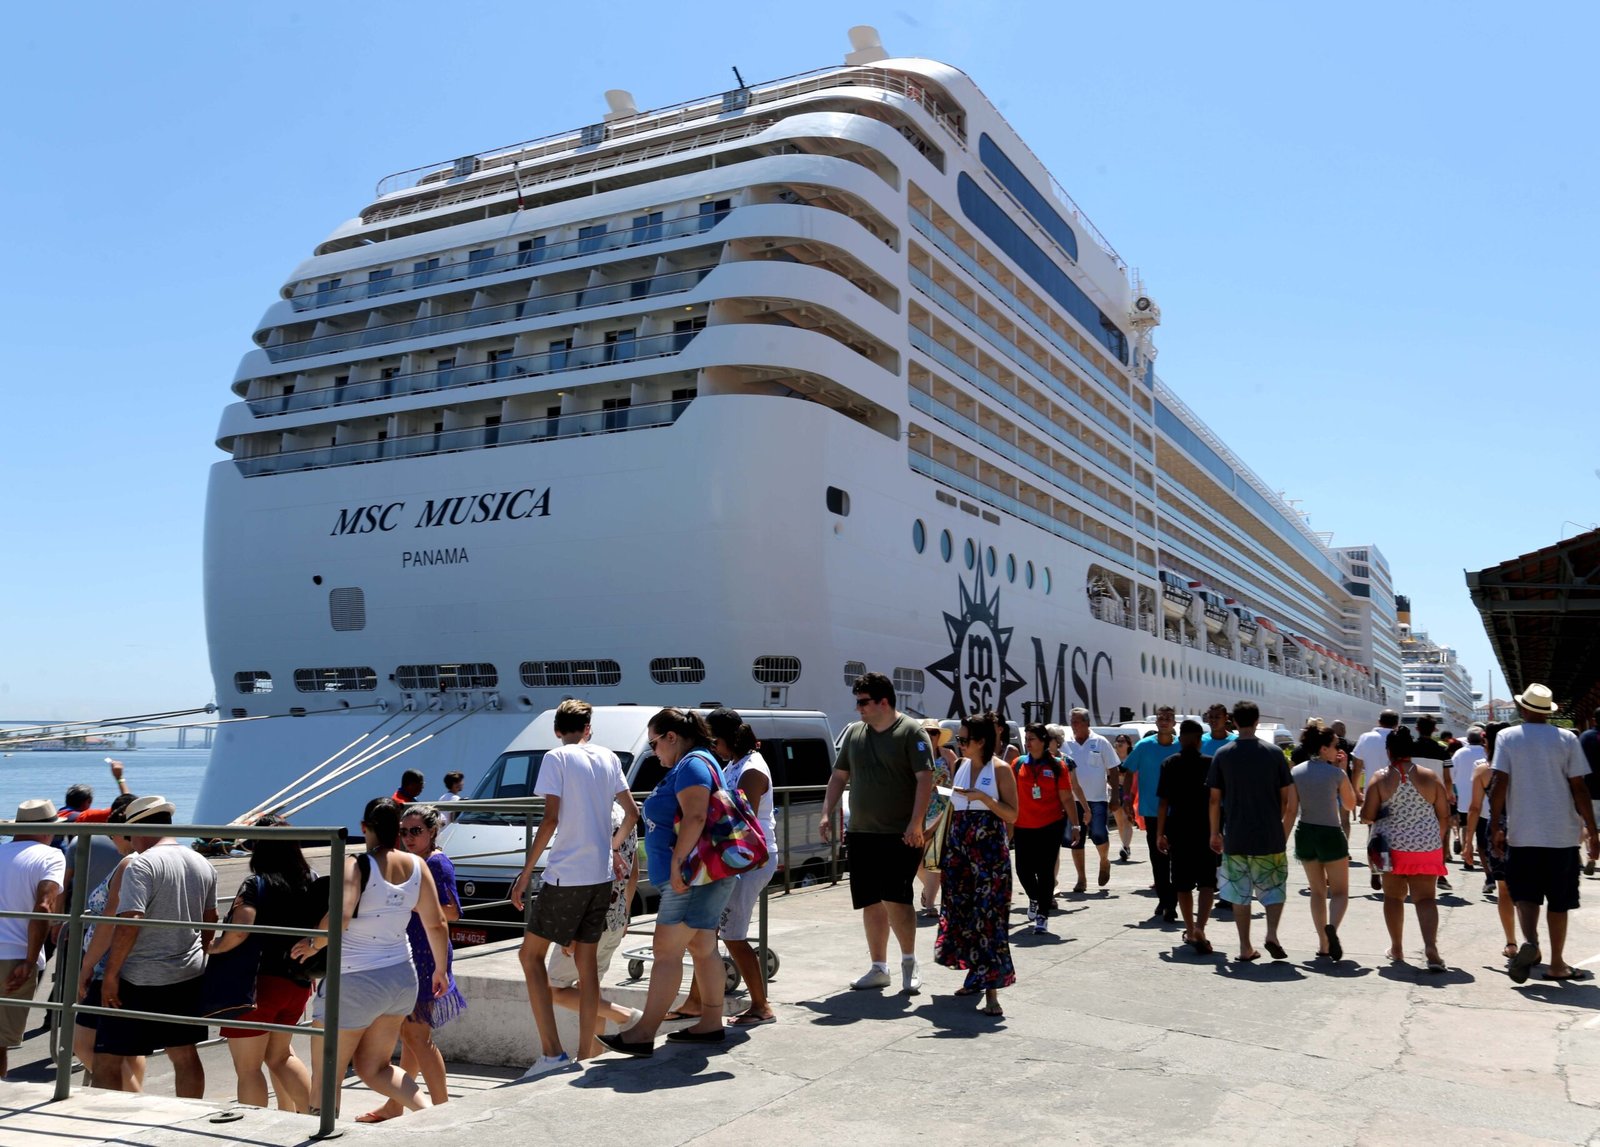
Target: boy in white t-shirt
x=579, y=783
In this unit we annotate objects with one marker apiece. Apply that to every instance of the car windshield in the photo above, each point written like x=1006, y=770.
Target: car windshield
x=512, y=777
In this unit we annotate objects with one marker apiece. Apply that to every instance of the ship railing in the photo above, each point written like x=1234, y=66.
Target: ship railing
x=75, y=920
x=577, y=425
x=459, y=270
x=675, y=115
x=795, y=806
x=534, y=306
x=602, y=353
x=518, y=183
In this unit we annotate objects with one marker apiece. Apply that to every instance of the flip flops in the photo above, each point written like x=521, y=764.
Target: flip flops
x=751, y=1021
x=1572, y=974
x=1275, y=949
x=1335, y=949
x=1522, y=964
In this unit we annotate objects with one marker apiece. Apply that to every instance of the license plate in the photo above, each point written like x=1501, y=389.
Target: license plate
x=465, y=937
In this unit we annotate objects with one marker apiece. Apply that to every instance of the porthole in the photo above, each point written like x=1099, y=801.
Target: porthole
x=1046, y=579
x=946, y=546
x=1011, y=567
x=838, y=501
x=919, y=536
x=1142, y=667
x=989, y=561
x=1027, y=574
x=970, y=552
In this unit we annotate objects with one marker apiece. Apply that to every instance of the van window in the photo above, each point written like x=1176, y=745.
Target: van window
x=510, y=778
x=649, y=776
x=798, y=761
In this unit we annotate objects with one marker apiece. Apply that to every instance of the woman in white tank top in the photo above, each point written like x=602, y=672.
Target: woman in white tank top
x=378, y=982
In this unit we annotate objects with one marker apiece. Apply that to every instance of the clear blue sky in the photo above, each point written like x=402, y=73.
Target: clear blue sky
x=1371, y=228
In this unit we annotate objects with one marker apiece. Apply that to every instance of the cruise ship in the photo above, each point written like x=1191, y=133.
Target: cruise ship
x=730, y=401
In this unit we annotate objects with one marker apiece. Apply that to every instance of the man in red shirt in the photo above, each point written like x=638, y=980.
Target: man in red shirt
x=410, y=789
x=80, y=797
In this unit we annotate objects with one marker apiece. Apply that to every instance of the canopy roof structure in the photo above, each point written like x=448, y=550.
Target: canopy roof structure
x=1542, y=614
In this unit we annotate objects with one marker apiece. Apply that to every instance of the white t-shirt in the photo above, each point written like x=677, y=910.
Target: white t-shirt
x=756, y=763
x=23, y=864
x=445, y=817
x=1538, y=760
x=1462, y=762
x=1094, y=759
x=1372, y=748
x=587, y=779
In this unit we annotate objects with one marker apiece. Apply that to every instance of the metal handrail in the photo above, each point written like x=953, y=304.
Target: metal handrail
x=75, y=919
x=674, y=115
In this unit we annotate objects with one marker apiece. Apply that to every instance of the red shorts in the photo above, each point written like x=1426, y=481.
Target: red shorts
x=278, y=1001
x=1418, y=863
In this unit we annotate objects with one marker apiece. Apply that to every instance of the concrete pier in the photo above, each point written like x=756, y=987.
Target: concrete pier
x=1114, y=1033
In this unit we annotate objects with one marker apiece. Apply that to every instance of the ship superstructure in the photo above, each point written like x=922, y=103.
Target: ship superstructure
x=729, y=401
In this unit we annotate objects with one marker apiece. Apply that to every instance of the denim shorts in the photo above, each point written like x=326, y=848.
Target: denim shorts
x=1093, y=827
x=366, y=996
x=700, y=907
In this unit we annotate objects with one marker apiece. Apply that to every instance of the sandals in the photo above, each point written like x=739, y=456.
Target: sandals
x=1522, y=964
x=968, y=991
x=1509, y=950
x=1275, y=949
x=1335, y=949
x=674, y=1016
x=994, y=1010
x=377, y=1116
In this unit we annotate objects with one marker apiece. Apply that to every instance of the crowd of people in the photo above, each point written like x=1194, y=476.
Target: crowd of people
x=962, y=811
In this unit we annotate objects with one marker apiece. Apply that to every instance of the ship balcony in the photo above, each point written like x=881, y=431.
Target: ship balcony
x=546, y=429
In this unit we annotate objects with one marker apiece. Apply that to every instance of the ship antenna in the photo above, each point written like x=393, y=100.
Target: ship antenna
x=739, y=78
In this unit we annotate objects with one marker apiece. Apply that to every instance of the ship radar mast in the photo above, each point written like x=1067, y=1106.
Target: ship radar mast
x=1144, y=317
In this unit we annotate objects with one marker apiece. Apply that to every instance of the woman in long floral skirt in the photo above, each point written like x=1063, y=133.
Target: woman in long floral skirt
x=976, y=917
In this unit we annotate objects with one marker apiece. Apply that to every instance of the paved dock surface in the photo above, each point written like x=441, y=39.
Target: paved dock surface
x=1114, y=1034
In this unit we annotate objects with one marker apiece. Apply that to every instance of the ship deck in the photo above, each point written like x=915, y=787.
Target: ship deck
x=1112, y=1034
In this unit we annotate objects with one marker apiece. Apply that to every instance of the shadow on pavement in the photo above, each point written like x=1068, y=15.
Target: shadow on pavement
x=1412, y=974
x=1262, y=971
x=1566, y=993
x=960, y=1017
x=1343, y=970
x=851, y=1007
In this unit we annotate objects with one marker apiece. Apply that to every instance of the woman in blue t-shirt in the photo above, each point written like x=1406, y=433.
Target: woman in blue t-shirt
x=687, y=919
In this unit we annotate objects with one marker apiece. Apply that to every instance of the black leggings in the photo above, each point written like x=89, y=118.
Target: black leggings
x=1035, y=853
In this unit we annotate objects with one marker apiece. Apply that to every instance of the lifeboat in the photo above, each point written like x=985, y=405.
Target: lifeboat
x=1249, y=629
x=1217, y=614
x=1176, y=597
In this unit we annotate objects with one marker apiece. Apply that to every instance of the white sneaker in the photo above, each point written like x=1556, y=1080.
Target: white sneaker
x=875, y=978
x=1041, y=927
x=1033, y=911
x=910, y=982
x=545, y=1064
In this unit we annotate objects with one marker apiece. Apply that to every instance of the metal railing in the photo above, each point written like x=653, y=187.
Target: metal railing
x=531, y=809
x=74, y=919
x=460, y=270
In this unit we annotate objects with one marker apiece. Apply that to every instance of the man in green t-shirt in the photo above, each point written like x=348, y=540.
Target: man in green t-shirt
x=887, y=762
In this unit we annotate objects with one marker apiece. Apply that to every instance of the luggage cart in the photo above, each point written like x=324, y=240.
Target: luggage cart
x=640, y=956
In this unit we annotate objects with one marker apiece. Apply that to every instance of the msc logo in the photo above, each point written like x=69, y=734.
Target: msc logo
x=976, y=670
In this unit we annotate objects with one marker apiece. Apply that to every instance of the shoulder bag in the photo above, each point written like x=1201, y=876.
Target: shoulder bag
x=228, y=986
x=731, y=842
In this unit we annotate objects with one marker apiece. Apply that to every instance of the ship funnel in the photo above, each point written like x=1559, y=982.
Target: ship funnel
x=866, y=47
x=621, y=104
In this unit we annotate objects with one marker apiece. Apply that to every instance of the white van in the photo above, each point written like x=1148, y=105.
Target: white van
x=487, y=848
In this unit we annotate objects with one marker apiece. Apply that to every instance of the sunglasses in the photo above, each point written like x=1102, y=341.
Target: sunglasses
x=652, y=741
x=965, y=740
x=863, y=702
x=414, y=830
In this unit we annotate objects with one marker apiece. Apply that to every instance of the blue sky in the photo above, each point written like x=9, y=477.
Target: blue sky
x=1370, y=227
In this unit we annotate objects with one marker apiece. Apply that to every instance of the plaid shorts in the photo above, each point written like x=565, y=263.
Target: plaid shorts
x=1266, y=877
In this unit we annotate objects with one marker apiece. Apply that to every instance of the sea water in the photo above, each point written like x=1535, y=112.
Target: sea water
x=172, y=773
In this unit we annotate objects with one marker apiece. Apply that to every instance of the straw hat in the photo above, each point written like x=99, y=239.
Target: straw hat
x=36, y=810
x=1537, y=698
x=146, y=807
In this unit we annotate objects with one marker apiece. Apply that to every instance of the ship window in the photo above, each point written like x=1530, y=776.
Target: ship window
x=341, y=680
x=909, y=681
x=440, y=678
x=677, y=670
x=989, y=561
x=616, y=412
x=478, y=261
x=712, y=211
x=589, y=237
x=570, y=674
x=530, y=251
x=946, y=544
x=1011, y=567
x=1142, y=667
x=970, y=553
x=838, y=501
x=325, y=290
x=620, y=345
x=992, y=220
x=853, y=670
x=919, y=536
x=253, y=681
x=1046, y=579
x=647, y=228
x=380, y=282
x=1028, y=195
x=423, y=272
x=1027, y=574
x=776, y=669
x=347, y=609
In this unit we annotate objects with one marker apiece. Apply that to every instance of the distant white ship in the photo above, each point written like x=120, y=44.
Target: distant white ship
x=729, y=401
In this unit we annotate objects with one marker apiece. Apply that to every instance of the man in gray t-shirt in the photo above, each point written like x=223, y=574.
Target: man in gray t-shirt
x=1538, y=785
x=157, y=969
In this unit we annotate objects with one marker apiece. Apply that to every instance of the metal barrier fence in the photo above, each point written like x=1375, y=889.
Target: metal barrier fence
x=530, y=809
x=74, y=919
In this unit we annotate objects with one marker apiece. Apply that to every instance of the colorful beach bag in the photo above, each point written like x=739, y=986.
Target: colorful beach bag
x=731, y=842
